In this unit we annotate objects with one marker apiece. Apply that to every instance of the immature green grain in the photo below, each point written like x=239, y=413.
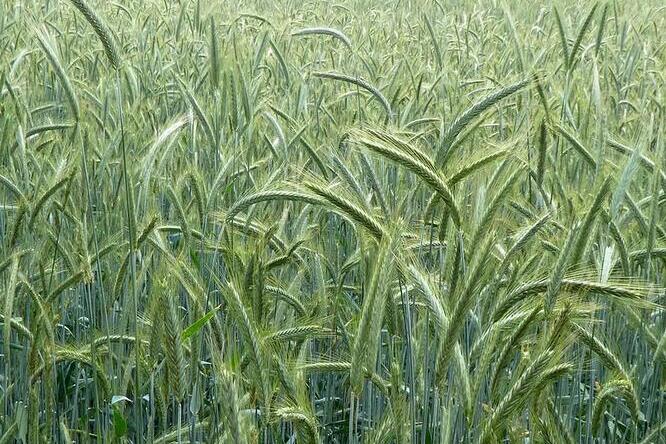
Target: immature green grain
x=9, y=185
x=435, y=44
x=306, y=422
x=474, y=111
x=180, y=212
x=36, y=130
x=324, y=31
x=578, y=146
x=476, y=165
x=360, y=83
x=541, y=159
x=251, y=336
x=600, y=31
x=587, y=222
x=102, y=31
x=611, y=389
x=271, y=195
x=488, y=217
x=563, y=37
x=374, y=183
x=610, y=359
x=579, y=38
x=412, y=159
x=346, y=174
x=46, y=195
x=287, y=261
x=214, y=55
x=172, y=346
x=198, y=111
x=348, y=208
x=517, y=395
x=228, y=387
x=645, y=161
x=8, y=309
x=511, y=342
x=49, y=51
x=462, y=300
x=372, y=312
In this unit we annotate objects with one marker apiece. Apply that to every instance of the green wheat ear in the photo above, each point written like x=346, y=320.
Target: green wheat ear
x=471, y=113
x=324, y=31
x=49, y=50
x=615, y=388
x=101, y=29
x=412, y=159
x=360, y=83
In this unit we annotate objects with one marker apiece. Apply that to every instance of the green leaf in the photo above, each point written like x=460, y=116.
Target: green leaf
x=198, y=324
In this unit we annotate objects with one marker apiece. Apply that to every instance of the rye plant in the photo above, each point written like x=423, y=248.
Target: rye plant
x=316, y=222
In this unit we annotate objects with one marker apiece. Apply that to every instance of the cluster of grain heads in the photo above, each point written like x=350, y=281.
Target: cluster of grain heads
x=322, y=223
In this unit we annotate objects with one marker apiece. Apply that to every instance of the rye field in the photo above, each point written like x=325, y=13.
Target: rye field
x=426, y=221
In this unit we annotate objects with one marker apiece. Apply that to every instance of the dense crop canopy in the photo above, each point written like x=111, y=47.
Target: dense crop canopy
x=325, y=222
